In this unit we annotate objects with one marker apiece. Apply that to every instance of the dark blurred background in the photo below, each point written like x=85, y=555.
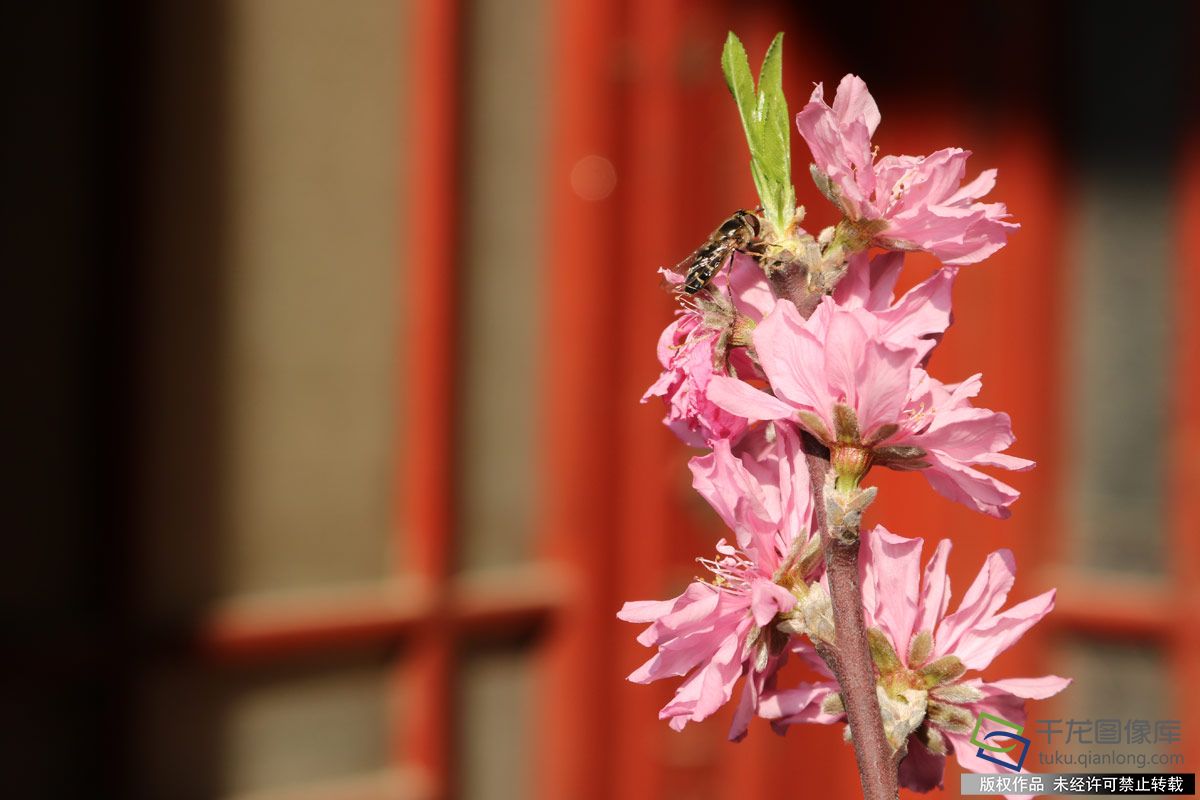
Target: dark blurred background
x=329, y=322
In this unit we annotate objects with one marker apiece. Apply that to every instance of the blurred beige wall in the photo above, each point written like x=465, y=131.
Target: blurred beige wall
x=276, y=237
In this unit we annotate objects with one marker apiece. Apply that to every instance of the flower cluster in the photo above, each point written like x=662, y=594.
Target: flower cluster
x=803, y=343
x=726, y=626
x=851, y=374
x=901, y=202
x=923, y=657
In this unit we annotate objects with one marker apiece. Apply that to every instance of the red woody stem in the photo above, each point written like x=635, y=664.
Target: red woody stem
x=851, y=663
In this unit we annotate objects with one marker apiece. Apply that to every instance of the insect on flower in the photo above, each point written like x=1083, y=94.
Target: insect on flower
x=738, y=233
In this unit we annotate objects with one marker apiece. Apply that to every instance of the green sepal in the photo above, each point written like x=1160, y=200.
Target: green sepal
x=882, y=652
x=941, y=671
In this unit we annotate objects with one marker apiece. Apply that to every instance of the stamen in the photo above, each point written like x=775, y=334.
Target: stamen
x=732, y=571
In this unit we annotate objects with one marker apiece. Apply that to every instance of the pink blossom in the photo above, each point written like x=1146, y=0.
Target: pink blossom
x=853, y=378
x=905, y=202
x=723, y=628
x=697, y=345
x=921, y=654
x=918, y=319
x=686, y=352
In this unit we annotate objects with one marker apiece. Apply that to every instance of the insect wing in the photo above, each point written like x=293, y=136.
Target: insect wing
x=707, y=265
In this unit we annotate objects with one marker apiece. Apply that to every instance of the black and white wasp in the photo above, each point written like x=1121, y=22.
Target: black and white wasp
x=738, y=233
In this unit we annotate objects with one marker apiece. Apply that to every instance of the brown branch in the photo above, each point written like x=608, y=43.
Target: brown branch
x=852, y=665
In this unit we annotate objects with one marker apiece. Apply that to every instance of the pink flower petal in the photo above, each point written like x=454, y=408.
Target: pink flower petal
x=892, y=570
x=793, y=359
x=768, y=599
x=868, y=283
x=799, y=705
x=752, y=294
x=984, y=598
x=739, y=397
x=935, y=594
x=974, y=489
x=644, y=610
x=853, y=103
x=884, y=376
x=846, y=343
x=966, y=433
x=977, y=647
x=921, y=770
x=923, y=314
x=1028, y=688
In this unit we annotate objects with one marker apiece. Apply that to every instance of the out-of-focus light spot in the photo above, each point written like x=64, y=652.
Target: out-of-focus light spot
x=593, y=178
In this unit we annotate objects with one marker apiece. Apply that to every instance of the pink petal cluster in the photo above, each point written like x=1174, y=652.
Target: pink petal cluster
x=747, y=375
x=904, y=603
x=866, y=353
x=686, y=352
x=690, y=352
x=870, y=283
x=722, y=629
x=918, y=202
x=918, y=319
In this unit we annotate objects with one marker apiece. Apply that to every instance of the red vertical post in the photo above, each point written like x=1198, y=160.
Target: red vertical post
x=1184, y=430
x=1008, y=324
x=648, y=196
x=422, y=737
x=576, y=518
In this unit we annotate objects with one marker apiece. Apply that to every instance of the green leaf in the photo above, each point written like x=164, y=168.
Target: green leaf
x=767, y=125
x=762, y=183
x=736, y=67
x=771, y=116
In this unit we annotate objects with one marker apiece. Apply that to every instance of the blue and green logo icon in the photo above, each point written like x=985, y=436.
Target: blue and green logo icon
x=1003, y=730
